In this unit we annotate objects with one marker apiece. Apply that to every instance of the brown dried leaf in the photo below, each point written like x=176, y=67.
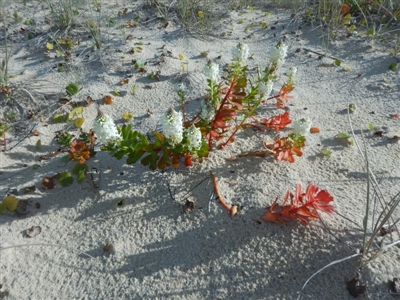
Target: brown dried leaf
x=124, y=81
x=188, y=207
x=108, y=100
x=33, y=231
x=48, y=183
x=88, y=101
x=64, y=100
x=232, y=158
x=356, y=288
x=35, y=132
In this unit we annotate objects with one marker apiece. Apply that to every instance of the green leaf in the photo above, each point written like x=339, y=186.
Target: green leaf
x=392, y=66
x=337, y=63
x=37, y=166
x=352, y=107
x=3, y=208
x=116, y=93
x=200, y=14
x=263, y=24
x=370, y=32
x=120, y=202
x=65, y=158
x=75, y=112
x=59, y=53
x=39, y=144
x=241, y=82
x=133, y=157
x=11, y=202
x=65, y=179
x=79, y=168
x=342, y=135
x=72, y=89
x=326, y=152
x=79, y=122
x=371, y=126
x=81, y=176
x=59, y=118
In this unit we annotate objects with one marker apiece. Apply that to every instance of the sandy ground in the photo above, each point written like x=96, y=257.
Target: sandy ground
x=159, y=250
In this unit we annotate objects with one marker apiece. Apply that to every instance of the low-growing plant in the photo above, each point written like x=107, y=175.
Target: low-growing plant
x=63, y=12
x=231, y=104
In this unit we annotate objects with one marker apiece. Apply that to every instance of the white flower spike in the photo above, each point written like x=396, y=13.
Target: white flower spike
x=211, y=70
x=302, y=125
x=105, y=129
x=266, y=87
x=278, y=53
x=207, y=110
x=193, y=135
x=240, y=52
x=172, y=122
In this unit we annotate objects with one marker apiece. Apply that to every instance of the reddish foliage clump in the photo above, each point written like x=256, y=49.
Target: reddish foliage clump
x=79, y=151
x=302, y=206
x=278, y=122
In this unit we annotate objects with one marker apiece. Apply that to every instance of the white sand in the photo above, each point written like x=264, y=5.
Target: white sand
x=161, y=252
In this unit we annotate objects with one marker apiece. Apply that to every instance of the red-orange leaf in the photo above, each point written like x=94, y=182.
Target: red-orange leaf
x=302, y=206
x=314, y=130
x=278, y=122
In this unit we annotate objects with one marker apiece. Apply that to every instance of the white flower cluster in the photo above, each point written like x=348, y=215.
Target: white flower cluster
x=193, y=135
x=302, y=125
x=278, y=54
x=172, y=126
x=211, y=70
x=207, y=110
x=105, y=130
x=240, y=52
x=265, y=87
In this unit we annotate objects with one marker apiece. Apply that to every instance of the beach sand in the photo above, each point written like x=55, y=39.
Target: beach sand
x=158, y=250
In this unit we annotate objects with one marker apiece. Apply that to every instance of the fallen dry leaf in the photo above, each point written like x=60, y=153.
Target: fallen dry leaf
x=314, y=130
x=124, y=81
x=108, y=100
x=394, y=116
x=88, y=101
x=35, y=132
x=64, y=100
x=48, y=183
x=33, y=231
x=188, y=207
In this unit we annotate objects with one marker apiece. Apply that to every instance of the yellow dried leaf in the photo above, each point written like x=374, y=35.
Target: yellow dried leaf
x=127, y=116
x=79, y=122
x=11, y=202
x=49, y=46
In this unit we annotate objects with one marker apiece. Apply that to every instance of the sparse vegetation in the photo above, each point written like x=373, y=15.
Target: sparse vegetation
x=94, y=62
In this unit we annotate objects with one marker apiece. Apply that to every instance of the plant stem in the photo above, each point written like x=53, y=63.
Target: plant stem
x=223, y=203
x=228, y=93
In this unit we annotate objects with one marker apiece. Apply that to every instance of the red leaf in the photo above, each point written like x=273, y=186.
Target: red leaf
x=302, y=206
x=277, y=122
x=314, y=130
